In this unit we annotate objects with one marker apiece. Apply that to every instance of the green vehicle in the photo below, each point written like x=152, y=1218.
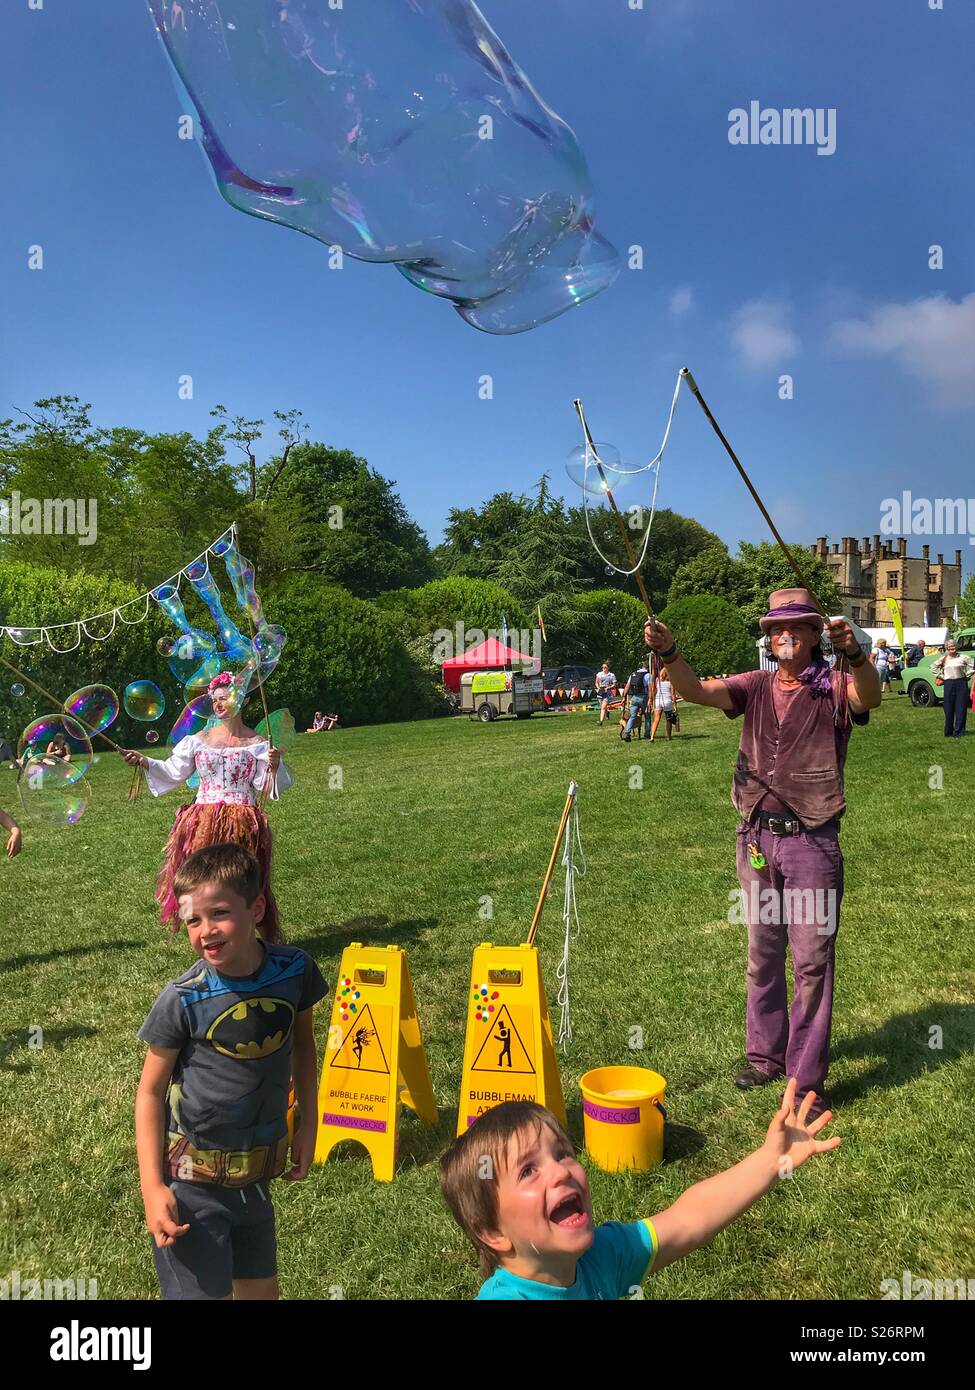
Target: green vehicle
x=919, y=681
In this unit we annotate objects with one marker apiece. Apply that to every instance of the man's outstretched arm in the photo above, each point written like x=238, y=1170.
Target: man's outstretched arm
x=660, y=639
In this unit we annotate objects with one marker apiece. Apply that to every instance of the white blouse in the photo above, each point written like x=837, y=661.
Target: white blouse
x=953, y=668
x=226, y=774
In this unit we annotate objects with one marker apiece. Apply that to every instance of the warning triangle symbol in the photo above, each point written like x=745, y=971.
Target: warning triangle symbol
x=502, y=1049
x=362, y=1048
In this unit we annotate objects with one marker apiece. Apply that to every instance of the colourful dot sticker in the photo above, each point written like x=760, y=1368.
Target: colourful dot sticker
x=490, y=1008
x=494, y=995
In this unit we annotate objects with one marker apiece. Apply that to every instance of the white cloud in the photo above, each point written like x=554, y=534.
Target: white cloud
x=932, y=339
x=762, y=334
x=680, y=301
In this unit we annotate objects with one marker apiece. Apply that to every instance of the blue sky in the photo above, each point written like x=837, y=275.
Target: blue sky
x=758, y=261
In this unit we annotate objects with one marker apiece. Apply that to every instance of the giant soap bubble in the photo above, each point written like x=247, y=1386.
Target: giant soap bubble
x=399, y=131
x=51, y=728
x=50, y=792
x=599, y=470
x=93, y=706
x=196, y=717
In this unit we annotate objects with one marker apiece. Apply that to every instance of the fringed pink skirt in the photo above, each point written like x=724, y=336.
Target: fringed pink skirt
x=200, y=824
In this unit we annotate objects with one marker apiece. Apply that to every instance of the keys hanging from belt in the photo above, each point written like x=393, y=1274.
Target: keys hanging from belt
x=755, y=857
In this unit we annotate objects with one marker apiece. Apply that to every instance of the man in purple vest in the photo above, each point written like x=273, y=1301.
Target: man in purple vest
x=788, y=791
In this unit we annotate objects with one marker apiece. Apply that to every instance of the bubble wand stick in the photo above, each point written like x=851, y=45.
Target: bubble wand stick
x=634, y=567
x=842, y=665
x=266, y=784
x=566, y=812
x=631, y=560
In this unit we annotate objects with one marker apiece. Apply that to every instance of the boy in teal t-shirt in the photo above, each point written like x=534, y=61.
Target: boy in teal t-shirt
x=518, y=1191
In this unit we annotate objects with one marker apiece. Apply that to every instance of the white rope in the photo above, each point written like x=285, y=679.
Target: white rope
x=570, y=918
x=20, y=634
x=654, y=464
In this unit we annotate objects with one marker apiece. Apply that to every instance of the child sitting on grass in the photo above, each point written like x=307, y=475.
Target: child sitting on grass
x=211, y=1110
x=519, y=1193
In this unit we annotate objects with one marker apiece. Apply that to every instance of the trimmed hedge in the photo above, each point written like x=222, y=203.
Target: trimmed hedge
x=711, y=634
x=343, y=656
x=441, y=604
x=35, y=594
x=610, y=629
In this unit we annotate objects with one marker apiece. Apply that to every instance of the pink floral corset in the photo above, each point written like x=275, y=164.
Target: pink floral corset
x=226, y=774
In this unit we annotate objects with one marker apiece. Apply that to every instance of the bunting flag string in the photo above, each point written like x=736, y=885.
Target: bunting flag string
x=34, y=636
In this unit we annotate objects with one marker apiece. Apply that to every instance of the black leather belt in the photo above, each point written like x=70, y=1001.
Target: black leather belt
x=780, y=824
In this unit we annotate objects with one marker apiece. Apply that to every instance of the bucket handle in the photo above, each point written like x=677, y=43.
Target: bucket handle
x=661, y=1109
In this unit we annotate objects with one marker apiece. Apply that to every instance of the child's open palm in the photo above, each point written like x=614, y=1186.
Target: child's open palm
x=792, y=1137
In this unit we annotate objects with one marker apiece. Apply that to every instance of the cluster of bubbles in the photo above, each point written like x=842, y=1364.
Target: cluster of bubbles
x=55, y=754
x=398, y=132
x=55, y=751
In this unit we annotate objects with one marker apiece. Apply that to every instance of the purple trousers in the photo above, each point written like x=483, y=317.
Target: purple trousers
x=795, y=899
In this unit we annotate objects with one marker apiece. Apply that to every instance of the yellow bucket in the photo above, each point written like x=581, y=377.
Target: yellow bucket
x=624, y=1115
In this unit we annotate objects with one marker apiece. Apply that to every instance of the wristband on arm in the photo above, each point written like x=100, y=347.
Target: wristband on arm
x=668, y=656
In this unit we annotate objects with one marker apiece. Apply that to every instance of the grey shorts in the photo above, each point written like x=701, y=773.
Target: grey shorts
x=231, y=1236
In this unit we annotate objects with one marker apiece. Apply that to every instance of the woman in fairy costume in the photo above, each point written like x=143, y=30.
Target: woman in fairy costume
x=237, y=768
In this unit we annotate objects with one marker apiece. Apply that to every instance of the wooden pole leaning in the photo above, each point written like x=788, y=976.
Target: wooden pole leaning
x=566, y=812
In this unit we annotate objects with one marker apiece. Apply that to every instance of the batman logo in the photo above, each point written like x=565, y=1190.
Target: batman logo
x=252, y=1028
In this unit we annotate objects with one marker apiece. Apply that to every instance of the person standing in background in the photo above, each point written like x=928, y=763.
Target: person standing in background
x=605, y=689
x=956, y=668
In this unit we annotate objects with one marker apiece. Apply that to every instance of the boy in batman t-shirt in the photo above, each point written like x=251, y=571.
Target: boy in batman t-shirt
x=225, y=1040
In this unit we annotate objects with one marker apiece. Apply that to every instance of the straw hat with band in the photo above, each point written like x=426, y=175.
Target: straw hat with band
x=792, y=606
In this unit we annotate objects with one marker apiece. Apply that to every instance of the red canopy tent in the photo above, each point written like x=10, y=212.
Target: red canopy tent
x=490, y=655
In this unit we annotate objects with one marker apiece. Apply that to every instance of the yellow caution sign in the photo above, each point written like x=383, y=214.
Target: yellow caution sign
x=508, y=1050
x=374, y=1059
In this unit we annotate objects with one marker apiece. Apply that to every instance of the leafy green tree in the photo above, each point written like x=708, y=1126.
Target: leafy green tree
x=711, y=634
x=966, y=604
x=673, y=541
x=354, y=530
x=156, y=500
x=476, y=540
x=477, y=604
x=767, y=569
x=711, y=571
x=610, y=629
x=746, y=580
x=244, y=434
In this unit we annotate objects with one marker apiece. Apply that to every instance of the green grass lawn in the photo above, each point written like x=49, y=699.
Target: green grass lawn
x=431, y=817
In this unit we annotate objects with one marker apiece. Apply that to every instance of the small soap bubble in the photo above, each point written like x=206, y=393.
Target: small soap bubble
x=152, y=736
x=17, y=689
x=142, y=700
